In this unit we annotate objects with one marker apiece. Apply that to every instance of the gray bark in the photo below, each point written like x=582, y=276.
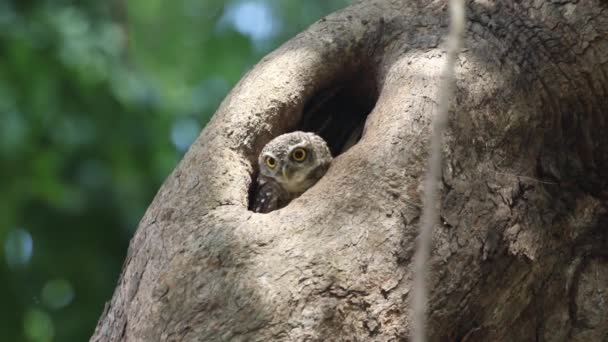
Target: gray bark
x=522, y=251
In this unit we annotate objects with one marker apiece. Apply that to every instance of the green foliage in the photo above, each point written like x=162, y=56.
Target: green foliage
x=98, y=102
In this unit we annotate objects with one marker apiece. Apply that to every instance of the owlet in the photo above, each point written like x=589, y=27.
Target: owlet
x=289, y=165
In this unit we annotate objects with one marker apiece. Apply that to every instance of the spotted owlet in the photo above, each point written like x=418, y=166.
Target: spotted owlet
x=289, y=165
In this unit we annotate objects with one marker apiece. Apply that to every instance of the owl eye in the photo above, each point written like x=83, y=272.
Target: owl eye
x=299, y=154
x=271, y=162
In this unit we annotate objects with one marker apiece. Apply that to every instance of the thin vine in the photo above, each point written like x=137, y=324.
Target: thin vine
x=430, y=212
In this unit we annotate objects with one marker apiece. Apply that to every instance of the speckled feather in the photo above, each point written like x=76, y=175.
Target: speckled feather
x=275, y=191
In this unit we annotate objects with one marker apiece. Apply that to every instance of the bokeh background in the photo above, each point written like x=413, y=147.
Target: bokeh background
x=99, y=100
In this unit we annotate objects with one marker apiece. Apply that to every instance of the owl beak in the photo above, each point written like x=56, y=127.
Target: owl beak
x=285, y=172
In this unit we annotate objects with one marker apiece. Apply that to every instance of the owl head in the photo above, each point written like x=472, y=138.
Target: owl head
x=295, y=160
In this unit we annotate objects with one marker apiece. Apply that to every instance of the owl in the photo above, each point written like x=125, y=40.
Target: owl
x=289, y=165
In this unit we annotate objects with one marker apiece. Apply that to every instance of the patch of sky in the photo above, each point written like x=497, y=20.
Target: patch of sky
x=183, y=133
x=252, y=18
x=18, y=248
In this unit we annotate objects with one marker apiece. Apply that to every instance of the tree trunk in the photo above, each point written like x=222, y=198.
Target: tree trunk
x=522, y=251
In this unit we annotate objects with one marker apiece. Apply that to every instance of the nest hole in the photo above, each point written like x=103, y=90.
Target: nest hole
x=338, y=113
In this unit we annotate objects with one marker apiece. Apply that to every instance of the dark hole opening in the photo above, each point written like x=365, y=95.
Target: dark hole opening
x=337, y=114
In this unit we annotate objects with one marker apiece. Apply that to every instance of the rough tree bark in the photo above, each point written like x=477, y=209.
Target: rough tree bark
x=522, y=251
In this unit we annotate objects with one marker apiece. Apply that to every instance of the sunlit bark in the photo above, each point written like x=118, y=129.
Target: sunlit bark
x=521, y=251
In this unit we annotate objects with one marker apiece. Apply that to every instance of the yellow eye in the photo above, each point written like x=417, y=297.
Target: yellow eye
x=271, y=162
x=299, y=154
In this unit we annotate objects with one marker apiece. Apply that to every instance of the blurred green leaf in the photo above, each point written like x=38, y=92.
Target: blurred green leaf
x=38, y=326
x=57, y=293
x=98, y=102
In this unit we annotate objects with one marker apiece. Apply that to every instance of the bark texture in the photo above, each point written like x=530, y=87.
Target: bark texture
x=522, y=251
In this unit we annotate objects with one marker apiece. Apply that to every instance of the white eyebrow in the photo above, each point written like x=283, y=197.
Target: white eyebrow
x=300, y=145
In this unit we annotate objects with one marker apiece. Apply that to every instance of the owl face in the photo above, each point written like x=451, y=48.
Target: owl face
x=293, y=159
